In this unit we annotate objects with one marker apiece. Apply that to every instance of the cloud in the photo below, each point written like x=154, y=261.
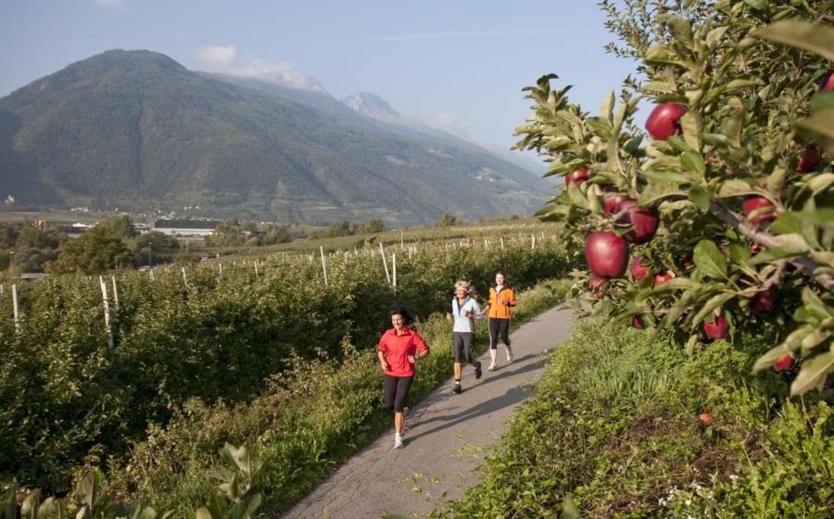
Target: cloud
x=217, y=56
x=109, y=3
x=470, y=34
x=280, y=72
x=225, y=59
x=447, y=122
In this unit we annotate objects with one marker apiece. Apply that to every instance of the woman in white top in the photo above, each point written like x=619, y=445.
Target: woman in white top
x=464, y=312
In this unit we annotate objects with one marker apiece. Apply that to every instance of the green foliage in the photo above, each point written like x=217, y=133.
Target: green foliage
x=94, y=252
x=27, y=247
x=153, y=248
x=206, y=336
x=234, y=498
x=307, y=421
x=615, y=424
x=447, y=220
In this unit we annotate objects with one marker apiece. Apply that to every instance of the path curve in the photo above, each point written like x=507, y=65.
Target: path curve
x=447, y=436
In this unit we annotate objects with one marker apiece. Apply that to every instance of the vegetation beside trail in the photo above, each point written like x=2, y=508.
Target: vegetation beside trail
x=310, y=419
x=626, y=425
x=187, y=342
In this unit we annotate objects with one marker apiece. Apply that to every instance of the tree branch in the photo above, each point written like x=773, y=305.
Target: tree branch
x=764, y=238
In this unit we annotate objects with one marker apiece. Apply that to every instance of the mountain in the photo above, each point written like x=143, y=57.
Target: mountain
x=375, y=107
x=138, y=131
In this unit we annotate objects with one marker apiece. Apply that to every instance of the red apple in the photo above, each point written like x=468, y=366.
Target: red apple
x=597, y=286
x=659, y=279
x=637, y=322
x=645, y=224
x=783, y=364
x=579, y=176
x=755, y=248
x=809, y=160
x=606, y=253
x=763, y=302
x=752, y=203
x=705, y=417
x=637, y=269
x=612, y=204
x=664, y=121
x=717, y=329
x=827, y=83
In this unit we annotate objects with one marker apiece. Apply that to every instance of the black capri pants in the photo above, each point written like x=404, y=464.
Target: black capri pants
x=498, y=328
x=395, y=391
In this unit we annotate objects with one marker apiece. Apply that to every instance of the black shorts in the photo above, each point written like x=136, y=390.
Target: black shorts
x=395, y=391
x=462, y=346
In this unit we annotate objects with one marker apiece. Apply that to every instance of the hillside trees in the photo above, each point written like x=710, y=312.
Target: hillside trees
x=728, y=203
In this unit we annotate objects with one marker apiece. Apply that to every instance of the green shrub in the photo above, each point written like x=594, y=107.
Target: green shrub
x=615, y=424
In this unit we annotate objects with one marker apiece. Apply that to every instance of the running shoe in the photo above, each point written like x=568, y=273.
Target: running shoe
x=509, y=354
x=398, y=441
x=478, y=371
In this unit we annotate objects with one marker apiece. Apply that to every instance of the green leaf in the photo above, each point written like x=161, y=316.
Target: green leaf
x=606, y=110
x=738, y=84
x=787, y=222
x=709, y=260
x=660, y=87
x=692, y=161
x=734, y=187
x=813, y=372
x=700, y=198
x=818, y=39
x=787, y=245
x=710, y=306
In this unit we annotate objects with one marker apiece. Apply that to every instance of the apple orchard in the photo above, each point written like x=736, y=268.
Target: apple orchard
x=722, y=217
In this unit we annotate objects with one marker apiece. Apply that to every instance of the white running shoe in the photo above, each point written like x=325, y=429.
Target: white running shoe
x=398, y=441
x=509, y=354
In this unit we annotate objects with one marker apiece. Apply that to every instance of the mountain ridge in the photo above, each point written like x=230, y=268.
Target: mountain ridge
x=137, y=130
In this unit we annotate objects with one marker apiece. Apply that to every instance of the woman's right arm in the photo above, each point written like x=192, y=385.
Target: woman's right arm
x=382, y=361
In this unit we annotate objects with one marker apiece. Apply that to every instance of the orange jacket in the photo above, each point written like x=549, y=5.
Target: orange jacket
x=496, y=309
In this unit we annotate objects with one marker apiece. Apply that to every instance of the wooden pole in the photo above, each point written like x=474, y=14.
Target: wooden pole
x=257, y=275
x=401, y=239
x=184, y=277
x=394, y=268
x=384, y=263
x=323, y=264
x=115, y=293
x=106, y=311
x=16, y=310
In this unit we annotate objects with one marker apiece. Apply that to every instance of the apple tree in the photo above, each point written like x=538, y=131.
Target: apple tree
x=721, y=214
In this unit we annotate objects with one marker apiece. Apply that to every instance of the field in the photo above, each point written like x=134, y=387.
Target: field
x=226, y=336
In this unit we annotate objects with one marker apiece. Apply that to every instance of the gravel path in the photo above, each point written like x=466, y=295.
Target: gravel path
x=447, y=436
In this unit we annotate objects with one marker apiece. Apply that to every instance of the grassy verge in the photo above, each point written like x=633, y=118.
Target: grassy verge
x=618, y=424
x=309, y=420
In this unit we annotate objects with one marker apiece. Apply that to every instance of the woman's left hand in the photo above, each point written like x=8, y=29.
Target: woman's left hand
x=412, y=359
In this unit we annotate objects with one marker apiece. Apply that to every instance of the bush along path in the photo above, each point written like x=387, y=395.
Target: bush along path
x=446, y=436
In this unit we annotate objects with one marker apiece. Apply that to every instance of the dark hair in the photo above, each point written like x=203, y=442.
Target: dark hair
x=399, y=310
x=506, y=279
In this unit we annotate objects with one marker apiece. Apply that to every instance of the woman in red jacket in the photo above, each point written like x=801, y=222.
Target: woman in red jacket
x=399, y=349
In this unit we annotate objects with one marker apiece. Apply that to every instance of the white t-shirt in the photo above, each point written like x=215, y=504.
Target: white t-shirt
x=463, y=323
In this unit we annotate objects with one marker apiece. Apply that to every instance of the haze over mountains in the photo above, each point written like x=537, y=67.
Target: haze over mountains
x=138, y=131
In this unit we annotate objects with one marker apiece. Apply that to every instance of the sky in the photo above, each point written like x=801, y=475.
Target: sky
x=458, y=65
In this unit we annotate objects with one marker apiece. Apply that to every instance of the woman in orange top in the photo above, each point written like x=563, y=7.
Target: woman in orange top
x=501, y=300
x=399, y=349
